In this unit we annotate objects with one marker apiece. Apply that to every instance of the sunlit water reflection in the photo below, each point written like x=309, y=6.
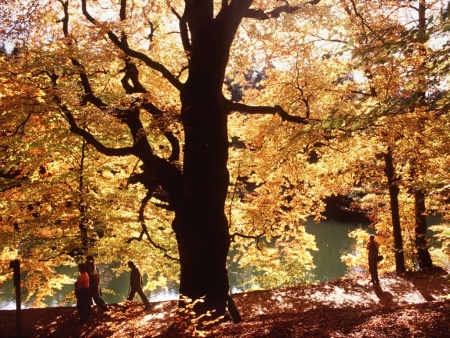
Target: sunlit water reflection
x=331, y=238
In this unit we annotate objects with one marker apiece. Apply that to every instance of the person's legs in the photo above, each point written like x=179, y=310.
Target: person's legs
x=95, y=293
x=132, y=293
x=144, y=298
x=100, y=302
x=79, y=306
x=88, y=307
x=372, y=270
x=84, y=304
x=375, y=273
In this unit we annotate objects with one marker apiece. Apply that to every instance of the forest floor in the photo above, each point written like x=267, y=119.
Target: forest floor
x=409, y=305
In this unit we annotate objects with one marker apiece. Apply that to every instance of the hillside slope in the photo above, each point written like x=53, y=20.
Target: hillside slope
x=411, y=305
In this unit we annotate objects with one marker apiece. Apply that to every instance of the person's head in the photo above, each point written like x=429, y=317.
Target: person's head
x=90, y=258
x=131, y=264
x=82, y=267
x=372, y=238
x=90, y=265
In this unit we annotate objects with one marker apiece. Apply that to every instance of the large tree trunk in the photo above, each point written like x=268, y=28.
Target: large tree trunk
x=395, y=213
x=201, y=225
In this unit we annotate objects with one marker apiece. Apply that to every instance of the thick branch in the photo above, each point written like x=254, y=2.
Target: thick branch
x=123, y=7
x=65, y=19
x=88, y=93
x=232, y=15
x=276, y=110
x=173, y=140
x=123, y=45
x=260, y=14
x=21, y=126
x=131, y=74
x=257, y=238
x=86, y=13
x=183, y=30
x=144, y=202
x=90, y=139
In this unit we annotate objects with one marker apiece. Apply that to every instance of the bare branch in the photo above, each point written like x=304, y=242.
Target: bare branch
x=364, y=22
x=21, y=126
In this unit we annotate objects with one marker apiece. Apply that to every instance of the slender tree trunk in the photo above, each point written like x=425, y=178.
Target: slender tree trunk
x=82, y=207
x=423, y=254
x=395, y=213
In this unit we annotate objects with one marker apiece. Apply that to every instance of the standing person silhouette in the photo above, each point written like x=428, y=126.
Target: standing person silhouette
x=136, y=284
x=372, y=250
x=94, y=282
x=82, y=293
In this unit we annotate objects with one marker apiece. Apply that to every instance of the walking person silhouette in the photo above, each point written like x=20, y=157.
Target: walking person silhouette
x=372, y=253
x=136, y=283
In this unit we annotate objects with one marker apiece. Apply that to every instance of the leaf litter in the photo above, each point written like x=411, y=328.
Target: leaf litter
x=415, y=304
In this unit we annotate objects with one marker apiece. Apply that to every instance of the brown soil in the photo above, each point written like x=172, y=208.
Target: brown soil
x=411, y=305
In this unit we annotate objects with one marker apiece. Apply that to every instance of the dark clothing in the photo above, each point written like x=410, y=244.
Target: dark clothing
x=141, y=293
x=84, y=303
x=373, y=268
x=94, y=284
x=136, y=278
x=83, y=296
x=136, y=286
x=373, y=253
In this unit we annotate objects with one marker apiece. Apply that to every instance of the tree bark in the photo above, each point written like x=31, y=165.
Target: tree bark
x=82, y=207
x=201, y=225
x=395, y=213
x=423, y=254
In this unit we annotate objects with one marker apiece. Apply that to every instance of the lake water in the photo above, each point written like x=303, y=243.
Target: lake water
x=331, y=238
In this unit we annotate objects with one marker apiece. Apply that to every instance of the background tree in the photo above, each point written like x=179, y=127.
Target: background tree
x=390, y=105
